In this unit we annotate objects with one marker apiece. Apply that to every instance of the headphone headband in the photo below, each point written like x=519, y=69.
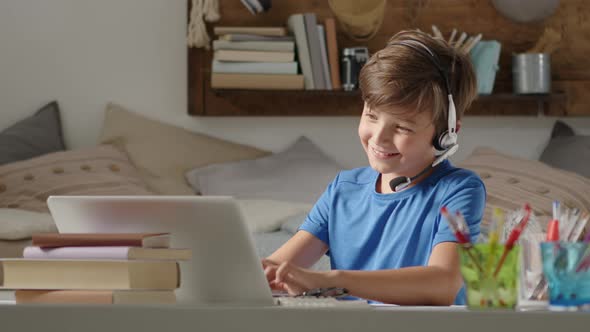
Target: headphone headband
x=420, y=47
x=446, y=143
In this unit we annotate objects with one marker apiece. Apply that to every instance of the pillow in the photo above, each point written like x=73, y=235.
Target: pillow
x=567, y=150
x=102, y=170
x=298, y=174
x=264, y=216
x=163, y=153
x=34, y=136
x=18, y=224
x=511, y=181
x=291, y=224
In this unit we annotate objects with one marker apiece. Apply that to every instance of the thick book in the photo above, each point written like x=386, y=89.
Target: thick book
x=254, y=67
x=253, y=56
x=257, y=81
x=333, y=57
x=296, y=24
x=260, y=31
x=89, y=274
x=324, y=52
x=111, y=253
x=147, y=240
x=27, y=296
x=273, y=46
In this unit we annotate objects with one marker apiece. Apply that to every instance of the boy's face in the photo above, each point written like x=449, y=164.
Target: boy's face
x=396, y=145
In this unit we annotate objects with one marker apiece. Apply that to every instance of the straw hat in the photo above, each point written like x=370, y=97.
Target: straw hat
x=359, y=19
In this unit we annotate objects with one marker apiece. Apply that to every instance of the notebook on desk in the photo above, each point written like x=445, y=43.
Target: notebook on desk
x=224, y=269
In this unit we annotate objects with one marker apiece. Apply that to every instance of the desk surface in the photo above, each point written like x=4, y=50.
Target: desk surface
x=171, y=318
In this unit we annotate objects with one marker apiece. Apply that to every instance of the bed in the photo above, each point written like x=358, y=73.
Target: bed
x=136, y=155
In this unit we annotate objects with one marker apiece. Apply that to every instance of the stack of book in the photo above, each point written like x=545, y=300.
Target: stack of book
x=303, y=56
x=95, y=269
x=254, y=58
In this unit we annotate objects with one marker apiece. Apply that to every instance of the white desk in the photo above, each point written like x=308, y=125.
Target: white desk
x=167, y=319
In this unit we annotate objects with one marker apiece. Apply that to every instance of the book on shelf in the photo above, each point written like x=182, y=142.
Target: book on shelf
x=333, y=54
x=324, y=58
x=147, y=240
x=315, y=55
x=259, y=31
x=89, y=274
x=296, y=24
x=273, y=46
x=111, y=253
x=249, y=37
x=254, y=67
x=253, y=56
x=257, y=81
x=29, y=296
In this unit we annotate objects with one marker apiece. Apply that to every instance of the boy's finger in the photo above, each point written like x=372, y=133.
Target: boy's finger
x=270, y=272
x=282, y=271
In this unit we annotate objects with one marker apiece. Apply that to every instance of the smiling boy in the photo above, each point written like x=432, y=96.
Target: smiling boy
x=381, y=224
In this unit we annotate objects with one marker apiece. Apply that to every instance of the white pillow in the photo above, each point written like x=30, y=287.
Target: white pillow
x=264, y=216
x=300, y=173
x=18, y=224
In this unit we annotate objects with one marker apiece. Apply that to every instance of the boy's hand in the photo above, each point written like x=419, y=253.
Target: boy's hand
x=291, y=278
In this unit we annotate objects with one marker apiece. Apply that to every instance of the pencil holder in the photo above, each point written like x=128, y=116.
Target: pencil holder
x=566, y=266
x=486, y=288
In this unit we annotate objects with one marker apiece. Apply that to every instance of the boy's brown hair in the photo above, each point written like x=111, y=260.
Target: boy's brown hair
x=401, y=76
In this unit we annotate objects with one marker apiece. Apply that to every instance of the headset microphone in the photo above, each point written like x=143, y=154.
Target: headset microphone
x=401, y=182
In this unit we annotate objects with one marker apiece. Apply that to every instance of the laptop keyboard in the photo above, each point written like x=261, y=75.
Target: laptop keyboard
x=319, y=302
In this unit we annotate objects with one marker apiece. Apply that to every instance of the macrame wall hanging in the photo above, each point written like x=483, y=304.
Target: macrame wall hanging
x=201, y=11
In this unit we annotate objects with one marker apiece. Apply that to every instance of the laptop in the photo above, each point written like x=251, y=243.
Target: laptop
x=224, y=270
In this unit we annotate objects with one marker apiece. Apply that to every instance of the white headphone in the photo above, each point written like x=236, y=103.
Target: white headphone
x=445, y=144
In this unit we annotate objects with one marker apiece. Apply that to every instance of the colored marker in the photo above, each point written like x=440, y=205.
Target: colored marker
x=513, y=237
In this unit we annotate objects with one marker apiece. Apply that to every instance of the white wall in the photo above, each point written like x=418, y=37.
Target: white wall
x=85, y=53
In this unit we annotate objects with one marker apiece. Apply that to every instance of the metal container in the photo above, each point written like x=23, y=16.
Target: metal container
x=531, y=73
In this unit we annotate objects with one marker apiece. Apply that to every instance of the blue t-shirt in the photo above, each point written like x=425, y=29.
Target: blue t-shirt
x=367, y=230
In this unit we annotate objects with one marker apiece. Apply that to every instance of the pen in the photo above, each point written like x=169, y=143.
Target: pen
x=553, y=225
x=513, y=237
x=455, y=227
x=461, y=236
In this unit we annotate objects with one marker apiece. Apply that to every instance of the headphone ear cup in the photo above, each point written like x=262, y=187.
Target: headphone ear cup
x=439, y=141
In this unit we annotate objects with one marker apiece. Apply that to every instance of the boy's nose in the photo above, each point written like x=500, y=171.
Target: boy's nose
x=383, y=136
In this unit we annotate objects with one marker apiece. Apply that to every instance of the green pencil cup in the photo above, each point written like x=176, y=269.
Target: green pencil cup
x=490, y=283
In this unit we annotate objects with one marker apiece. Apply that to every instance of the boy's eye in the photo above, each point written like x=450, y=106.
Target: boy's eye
x=404, y=129
x=371, y=116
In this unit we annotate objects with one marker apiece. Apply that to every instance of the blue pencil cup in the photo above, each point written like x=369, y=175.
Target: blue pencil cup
x=485, y=57
x=566, y=266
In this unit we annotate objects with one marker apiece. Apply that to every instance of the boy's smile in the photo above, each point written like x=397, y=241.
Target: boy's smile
x=382, y=153
x=397, y=143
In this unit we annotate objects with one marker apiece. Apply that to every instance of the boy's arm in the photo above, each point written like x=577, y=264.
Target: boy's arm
x=435, y=284
x=303, y=249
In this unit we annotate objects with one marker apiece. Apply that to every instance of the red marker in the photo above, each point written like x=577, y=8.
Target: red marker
x=553, y=225
x=462, y=237
x=513, y=237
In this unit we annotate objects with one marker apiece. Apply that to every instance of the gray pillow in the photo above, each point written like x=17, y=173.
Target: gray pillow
x=567, y=151
x=291, y=224
x=298, y=174
x=36, y=135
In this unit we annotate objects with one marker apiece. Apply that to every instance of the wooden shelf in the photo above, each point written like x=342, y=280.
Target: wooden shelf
x=558, y=96
x=238, y=102
x=227, y=92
